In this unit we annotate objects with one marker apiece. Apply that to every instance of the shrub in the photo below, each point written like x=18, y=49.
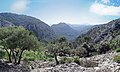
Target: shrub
x=34, y=55
x=117, y=50
x=66, y=60
x=116, y=58
x=81, y=52
x=77, y=60
x=104, y=48
x=84, y=63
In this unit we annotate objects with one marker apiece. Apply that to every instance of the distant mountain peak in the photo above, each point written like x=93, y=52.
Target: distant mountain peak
x=63, y=29
x=62, y=23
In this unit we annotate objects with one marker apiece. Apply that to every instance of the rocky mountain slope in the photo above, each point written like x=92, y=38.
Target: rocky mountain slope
x=41, y=29
x=62, y=29
x=103, y=32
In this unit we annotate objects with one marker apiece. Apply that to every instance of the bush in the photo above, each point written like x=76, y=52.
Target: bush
x=84, y=63
x=34, y=55
x=81, y=52
x=116, y=58
x=117, y=50
x=66, y=60
x=77, y=60
x=104, y=48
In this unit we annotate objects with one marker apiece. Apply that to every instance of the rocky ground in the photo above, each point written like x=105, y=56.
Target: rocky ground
x=13, y=68
x=105, y=64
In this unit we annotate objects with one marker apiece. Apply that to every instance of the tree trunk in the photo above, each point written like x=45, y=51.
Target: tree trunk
x=57, y=62
x=20, y=57
x=9, y=55
x=15, y=59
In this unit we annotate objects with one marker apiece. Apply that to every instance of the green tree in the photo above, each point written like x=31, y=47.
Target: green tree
x=57, y=47
x=15, y=40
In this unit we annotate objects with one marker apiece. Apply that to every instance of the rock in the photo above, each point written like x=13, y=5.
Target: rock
x=41, y=64
x=4, y=67
x=105, y=64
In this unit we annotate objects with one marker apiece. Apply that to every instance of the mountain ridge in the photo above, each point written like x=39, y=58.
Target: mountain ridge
x=63, y=29
x=41, y=29
x=102, y=32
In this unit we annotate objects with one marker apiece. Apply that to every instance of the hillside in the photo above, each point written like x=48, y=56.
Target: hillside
x=4, y=23
x=41, y=29
x=62, y=29
x=103, y=32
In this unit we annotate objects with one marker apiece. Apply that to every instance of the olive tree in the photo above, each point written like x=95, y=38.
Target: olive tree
x=15, y=40
x=57, y=47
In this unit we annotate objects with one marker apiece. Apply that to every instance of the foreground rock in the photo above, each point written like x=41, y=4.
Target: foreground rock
x=4, y=67
x=98, y=63
x=72, y=67
x=105, y=64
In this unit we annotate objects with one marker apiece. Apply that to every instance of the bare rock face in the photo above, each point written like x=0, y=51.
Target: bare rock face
x=105, y=64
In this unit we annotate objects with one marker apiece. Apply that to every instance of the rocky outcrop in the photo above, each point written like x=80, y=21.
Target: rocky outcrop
x=105, y=64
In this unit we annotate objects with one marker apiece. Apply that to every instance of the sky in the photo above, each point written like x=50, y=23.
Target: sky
x=68, y=11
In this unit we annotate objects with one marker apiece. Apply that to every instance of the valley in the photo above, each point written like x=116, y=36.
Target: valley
x=59, y=35
x=28, y=44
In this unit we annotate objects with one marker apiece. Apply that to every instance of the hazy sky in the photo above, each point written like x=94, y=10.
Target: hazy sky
x=69, y=11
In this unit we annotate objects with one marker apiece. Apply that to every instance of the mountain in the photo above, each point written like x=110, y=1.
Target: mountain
x=41, y=29
x=63, y=29
x=103, y=32
x=82, y=28
x=4, y=23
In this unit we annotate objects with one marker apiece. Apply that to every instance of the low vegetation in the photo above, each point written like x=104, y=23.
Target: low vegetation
x=35, y=55
x=117, y=58
x=66, y=60
x=77, y=60
x=117, y=49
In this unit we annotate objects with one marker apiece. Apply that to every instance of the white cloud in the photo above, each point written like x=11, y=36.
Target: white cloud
x=105, y=1
x=19, y=6
x=102, y=9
